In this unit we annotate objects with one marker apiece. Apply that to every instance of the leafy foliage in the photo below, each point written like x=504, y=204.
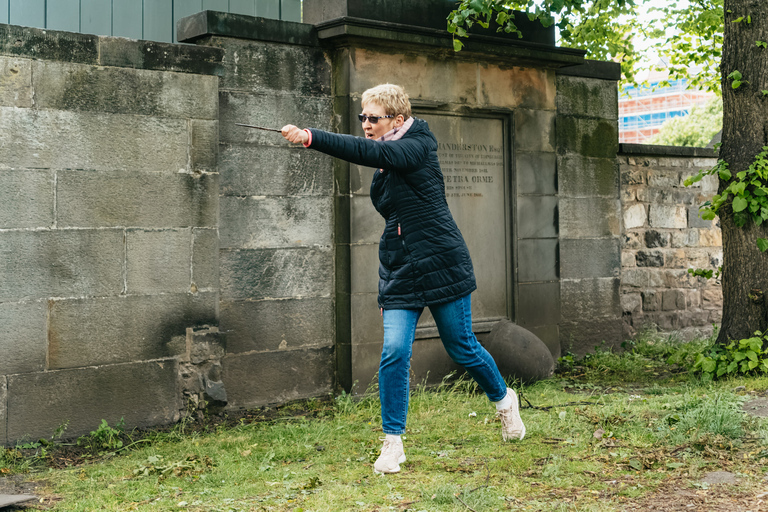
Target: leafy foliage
x=747, y=356
x=694, y=130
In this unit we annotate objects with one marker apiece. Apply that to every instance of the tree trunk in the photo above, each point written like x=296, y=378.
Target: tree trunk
x=745, y=132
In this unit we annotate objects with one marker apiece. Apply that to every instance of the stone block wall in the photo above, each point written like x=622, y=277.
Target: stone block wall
x=590, y=210
x=108, y=226
x=664, y=236
x=277, y=255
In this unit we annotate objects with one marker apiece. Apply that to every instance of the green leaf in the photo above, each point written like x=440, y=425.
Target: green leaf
x=753, y=364
x=765, y=93
x=739, y=204
x=761, y=44
x=708, y=214
x=752, y=356
x=724, y=174
x=457, y=45
x=762, y=244
x=636, y=464
x=738, y=20
x=709, y=365
x=736, y=84
x=736, y=75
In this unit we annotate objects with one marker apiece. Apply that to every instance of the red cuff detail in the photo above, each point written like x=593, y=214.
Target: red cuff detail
x=309, y=140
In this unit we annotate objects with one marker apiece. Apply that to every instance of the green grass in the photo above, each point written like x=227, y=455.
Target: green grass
x=644, y=424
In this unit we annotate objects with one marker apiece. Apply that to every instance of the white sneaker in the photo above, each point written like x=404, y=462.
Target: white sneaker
x=392, y=455
x=511, y=423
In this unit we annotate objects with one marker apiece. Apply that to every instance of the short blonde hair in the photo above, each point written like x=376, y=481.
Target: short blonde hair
x=392, y=97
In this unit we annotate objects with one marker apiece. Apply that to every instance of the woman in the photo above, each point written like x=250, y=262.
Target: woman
x=424, y=261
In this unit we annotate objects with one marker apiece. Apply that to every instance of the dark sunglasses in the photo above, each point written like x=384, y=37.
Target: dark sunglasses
x=372, y=119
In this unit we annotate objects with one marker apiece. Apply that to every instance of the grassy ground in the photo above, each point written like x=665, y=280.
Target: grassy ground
x=610, y=432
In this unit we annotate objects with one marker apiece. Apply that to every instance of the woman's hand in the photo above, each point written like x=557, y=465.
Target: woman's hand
x=294, y=134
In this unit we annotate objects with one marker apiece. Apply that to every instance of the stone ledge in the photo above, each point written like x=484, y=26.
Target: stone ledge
x=652, y=150
x=593, y=69
x=212, y=23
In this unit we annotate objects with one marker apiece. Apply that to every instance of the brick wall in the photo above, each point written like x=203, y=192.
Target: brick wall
x=663, y=236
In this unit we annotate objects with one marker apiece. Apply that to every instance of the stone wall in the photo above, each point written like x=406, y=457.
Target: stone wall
x=108, y=227
x=277, y=254
x=664, y=236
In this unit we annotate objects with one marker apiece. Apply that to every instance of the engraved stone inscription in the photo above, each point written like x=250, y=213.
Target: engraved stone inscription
x=472, y=158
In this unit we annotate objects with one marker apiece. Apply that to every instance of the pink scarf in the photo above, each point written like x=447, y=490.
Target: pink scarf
x=397, y=133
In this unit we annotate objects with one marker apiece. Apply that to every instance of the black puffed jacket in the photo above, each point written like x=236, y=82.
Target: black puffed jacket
x=423, y=257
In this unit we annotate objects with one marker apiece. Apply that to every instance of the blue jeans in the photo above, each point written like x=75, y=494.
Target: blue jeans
x=454, y=323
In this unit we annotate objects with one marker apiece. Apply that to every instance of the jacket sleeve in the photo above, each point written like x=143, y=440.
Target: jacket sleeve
x=406, y=154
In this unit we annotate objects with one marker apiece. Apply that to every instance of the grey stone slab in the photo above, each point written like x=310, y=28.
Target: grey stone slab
x=112, y=330
x=597, y=138
x=589, y=217
x=249, y=66
x=16, y=82
x=537, y=217
x=581, y=176
x=35, y=43
x=136, y=199
x=276, y=273
x=535, y=130
x=39, y=264
x=367, y=225
x=250, y=170
x=252, y=380
x=3, y=410
x=87, y=88
x=583, y=336
x=270, y=111
x=158, y=261
x=367, y=326
x=7, y=500
x=589, y=299
x=590, y=257
x=694, y=218
x=537, y=260
x=81, y=398
x=288, y=324
x=538, y=304
x=580, y=96
x=270, y=222
x=364, y=268
x=204, y=145
x=26, y=199
x=365, y=366
x=430, y=363
x=536, y=173
x=209, y=23
x=205, y=259
x=24, y=340
x=197, y=60
x=74, y=140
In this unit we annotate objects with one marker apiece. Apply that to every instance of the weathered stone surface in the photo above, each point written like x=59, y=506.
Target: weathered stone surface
x=149, y=200
x=81, y=87
x=249, y=66
x=550, y=335
x=35, y=43
x=720, y=477
x=26, y=199
x=536, y=173
x=364, y=268
x=262, y=222
x=24, y=337
x=537, y=216
x=271, y=111
x=366, y=224
x=42, y=402
x=269, y=325
x=589, y=217
x=582, y=336
x=667, y=216
x=537, y=260
x=587, y=97
x=253, y=380
x=16, y=82
x=685, y=238
x=587, y=299
x=649, y=259
x=538, y=304
x=519, y=87
x=535, y=130
x=631, y=303
x=695, y=220
x=205, y=259
x=581, y=176
x=198, y=60
x=38, y=264
x=276, y=273
x=204, y=145
x=656, y=239
x=598, y=138
x=7, y=500
x=518, y=353
x=591, y=257
x=635, y=216
x=3, y=410
x=95, y=331
x=651, y=300
x=158, y=261
x=74, y=140
x=249, y=170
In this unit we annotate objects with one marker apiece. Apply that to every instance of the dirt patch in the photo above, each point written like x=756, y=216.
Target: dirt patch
x=678, y=495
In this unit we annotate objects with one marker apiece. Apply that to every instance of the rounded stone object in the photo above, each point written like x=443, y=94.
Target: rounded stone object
x=519, y=353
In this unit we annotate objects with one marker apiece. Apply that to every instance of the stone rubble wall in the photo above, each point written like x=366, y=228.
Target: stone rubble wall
x=663, y=236
x=108, y=227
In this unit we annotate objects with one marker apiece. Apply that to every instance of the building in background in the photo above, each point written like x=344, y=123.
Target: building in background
x=643, y=110
x=154, y=20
